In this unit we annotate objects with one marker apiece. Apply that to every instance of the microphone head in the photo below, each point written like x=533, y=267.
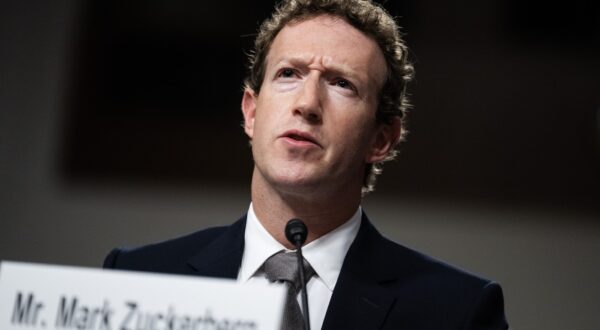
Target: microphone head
x=296, y=232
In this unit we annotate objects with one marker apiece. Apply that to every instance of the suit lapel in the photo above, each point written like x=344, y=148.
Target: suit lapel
x=360, y=299
x=223, y=256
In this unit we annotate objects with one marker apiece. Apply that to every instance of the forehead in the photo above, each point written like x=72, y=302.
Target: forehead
x=330, y=41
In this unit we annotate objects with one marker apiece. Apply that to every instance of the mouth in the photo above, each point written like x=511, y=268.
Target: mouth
x=300, y=138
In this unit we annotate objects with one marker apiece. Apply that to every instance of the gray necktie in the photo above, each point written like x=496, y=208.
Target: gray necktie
x=283, y=267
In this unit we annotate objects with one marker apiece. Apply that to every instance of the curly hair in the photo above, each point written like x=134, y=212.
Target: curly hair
x=366, y=16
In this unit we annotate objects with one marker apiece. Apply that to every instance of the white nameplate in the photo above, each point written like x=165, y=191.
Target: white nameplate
x=35, y=296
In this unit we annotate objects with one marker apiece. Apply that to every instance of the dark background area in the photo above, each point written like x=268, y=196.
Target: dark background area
x=506, y=97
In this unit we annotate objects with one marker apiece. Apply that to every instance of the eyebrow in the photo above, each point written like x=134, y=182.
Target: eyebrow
x=334, y=68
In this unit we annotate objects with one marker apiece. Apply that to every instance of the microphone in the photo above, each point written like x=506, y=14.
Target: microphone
x=296, y=232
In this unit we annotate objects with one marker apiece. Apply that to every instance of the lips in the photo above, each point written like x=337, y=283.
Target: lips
x=300, y=137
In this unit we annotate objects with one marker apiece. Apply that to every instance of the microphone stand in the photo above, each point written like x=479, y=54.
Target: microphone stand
x=296, y=232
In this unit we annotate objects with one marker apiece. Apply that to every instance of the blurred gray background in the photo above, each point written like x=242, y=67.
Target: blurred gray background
x=119, y=126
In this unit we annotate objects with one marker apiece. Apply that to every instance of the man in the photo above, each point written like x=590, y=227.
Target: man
x=323, y=107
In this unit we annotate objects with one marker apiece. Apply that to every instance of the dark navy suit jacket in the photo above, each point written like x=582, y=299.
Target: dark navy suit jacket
x=382, y=285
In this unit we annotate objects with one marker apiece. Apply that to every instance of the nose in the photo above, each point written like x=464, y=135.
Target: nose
x=308, y=102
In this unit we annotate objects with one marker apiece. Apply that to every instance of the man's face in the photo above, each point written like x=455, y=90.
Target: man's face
x=313, y=124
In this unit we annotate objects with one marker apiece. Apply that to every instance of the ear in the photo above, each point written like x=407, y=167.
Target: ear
x=249, y=110
x=386, y=138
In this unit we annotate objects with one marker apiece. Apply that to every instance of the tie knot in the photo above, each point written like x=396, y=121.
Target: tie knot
x=283, y=266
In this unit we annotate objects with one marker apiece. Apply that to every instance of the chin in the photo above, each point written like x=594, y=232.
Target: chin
x=298, y=183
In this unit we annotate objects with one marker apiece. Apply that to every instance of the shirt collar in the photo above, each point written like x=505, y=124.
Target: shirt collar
x=258, y=246
x=325, y=254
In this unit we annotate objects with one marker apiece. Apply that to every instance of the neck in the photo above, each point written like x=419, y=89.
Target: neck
x=322, y=212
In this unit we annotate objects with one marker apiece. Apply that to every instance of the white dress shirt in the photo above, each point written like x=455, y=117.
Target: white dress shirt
x=325, y=254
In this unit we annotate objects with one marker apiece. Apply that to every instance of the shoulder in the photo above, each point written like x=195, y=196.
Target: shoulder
x=388, y=259
x=434, y=278
x=423, y=285
x=169, y=256
x=413, y=265
x=447, y=294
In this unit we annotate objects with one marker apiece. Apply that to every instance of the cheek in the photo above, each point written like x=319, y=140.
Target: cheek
x=354, y=132
x=271, y=105
x=268, y=118
x=351, y=117
x=353, y=136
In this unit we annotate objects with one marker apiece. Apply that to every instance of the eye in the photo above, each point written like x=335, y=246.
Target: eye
x=343, y=83
x=286, y=73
